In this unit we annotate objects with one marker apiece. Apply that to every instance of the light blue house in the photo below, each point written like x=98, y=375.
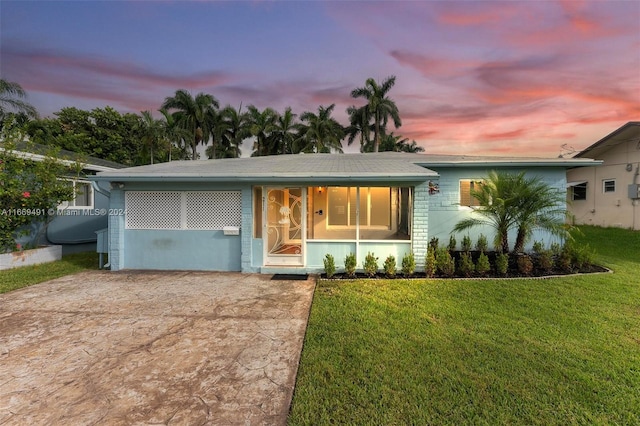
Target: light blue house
x=284, y=213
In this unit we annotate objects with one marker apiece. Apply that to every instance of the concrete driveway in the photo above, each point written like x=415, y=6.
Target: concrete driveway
x=121, y=348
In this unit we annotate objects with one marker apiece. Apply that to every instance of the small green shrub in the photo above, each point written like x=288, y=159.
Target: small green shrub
x=430, y=263
x=502, y=264
x=544, y=260
x=370, y=265
x=482, y=245
x=581, y=256
x=445, y=264
x=350, y=264
x=538, y=247
x=433, y=243
x=466, y=243
x=555, y=248
x=390, y=266
x=452, y=243
x=525, y=265
x=563, y=260
x=408, y=264
x=483, y=266
x=329, y=265
x=465, y=264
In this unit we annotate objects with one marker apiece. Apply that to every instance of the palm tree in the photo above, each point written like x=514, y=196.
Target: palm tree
x=193, y=114
x=540, y=207
x=238, y=129
x=498, y=197
x=379, y=106
x=395, y=143
x=320, y=132
x=261, y=124
x=152, y=132
x=359, y=125
x=284, y=133
x=509, y=201
x=174, y=135
x=11, y=95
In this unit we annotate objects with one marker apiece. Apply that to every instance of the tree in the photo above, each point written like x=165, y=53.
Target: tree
x=11, y=95
x=30, y=190
x=540, y=207
x=193, y=114
x=261, y=124
x=237, y=132
x=175, y=137
x=497, y=197
x=379, y=107
x=509, y=201
x=320, y=132
x=284, y=134
x=395, y=143
x=359, y=125
x=152, y=133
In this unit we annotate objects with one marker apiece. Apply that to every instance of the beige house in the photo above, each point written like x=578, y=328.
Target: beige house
x=608, y=194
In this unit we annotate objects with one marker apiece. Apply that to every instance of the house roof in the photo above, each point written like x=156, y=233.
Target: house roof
x=37, y=152
x=323, y=168
x=627, y=132
x=281, y=168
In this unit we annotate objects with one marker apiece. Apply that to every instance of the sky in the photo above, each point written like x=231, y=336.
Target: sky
x=516, y=78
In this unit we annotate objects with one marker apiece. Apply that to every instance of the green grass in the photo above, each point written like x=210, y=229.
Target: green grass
x=541, y=352
x=12, y=279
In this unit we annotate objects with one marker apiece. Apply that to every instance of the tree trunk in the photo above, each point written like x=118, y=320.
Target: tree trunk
x=519, y=247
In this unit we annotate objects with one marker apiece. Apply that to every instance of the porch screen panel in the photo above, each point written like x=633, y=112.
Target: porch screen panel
x=153, y=209
x=213, y=210
x=380, y=207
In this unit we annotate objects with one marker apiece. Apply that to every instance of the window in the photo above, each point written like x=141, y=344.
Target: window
x=84, y=196
x=373, y=208
x=609, y=185
x=359, y=213
x=466, y=186
x=579, y=192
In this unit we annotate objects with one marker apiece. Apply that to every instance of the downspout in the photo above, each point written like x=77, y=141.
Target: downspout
x=107, y=194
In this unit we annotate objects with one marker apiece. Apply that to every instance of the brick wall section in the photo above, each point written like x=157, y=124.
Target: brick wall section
x=116, y=231
x=246, y=229
x=420, y=235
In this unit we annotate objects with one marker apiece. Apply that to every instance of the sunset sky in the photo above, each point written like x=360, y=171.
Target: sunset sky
x=473, y=77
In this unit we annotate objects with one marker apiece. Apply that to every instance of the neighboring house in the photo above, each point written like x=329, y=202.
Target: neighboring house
x=608, y=195
x=76, y=221
x=285, y=213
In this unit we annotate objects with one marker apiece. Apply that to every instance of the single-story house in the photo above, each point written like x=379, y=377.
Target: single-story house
x=285, y=213
x=608, y=195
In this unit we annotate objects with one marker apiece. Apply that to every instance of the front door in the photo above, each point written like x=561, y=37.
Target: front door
x=284, y=226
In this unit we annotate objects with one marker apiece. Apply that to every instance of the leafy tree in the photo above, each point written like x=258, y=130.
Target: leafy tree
x=29, y=189
x=261, y=124
x=320, y=132
x=11, y=100
x=237, y=130
x=194, y=115
x=380, y=108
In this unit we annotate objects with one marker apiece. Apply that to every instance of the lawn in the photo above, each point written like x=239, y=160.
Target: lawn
x=12, y=279
x=542, y=352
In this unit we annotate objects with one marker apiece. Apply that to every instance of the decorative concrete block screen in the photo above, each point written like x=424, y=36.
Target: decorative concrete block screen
x=204, y=210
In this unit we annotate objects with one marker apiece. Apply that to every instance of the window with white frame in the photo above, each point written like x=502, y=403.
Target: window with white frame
x=83, y=196
x=466, y=187
x=608, y=185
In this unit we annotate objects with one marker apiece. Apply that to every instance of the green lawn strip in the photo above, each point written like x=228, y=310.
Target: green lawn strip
x=13, y=279
x=558, y=351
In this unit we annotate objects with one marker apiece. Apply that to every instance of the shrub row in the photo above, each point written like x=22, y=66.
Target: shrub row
x=443, y=262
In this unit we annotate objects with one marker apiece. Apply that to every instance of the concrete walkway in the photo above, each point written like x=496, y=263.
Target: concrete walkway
x=122, y=348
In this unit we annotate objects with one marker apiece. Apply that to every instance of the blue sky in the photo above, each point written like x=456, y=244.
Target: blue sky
x=473, y=77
